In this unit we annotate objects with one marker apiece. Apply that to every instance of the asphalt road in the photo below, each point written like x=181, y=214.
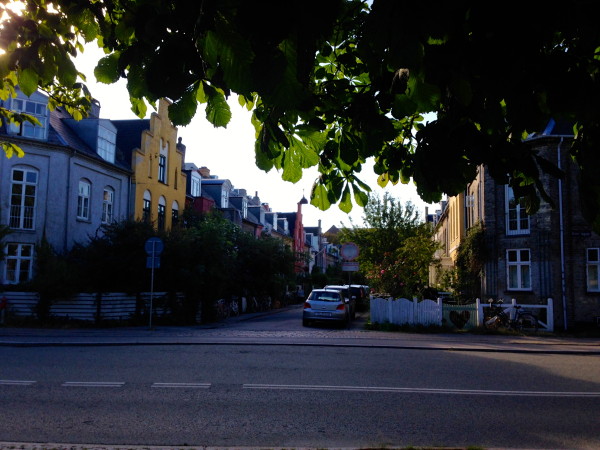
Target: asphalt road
x=267, y=382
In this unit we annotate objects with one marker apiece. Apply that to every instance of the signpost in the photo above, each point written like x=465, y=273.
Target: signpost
x=349, y=253
x=154, y=247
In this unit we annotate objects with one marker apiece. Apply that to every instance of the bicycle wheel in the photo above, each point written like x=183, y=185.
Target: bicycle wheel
x=492, y=323
x=527, y=322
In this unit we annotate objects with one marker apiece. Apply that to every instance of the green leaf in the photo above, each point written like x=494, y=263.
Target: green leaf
x=346, y=200
x=361, y=198
x=319, y=197
x=138, y=106
x=217, y=110
x=107, y=70
x=263, y=162
x=183, y=110
x=28, y=81
x=67, y=73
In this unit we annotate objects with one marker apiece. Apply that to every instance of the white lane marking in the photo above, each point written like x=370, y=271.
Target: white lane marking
x=112, y=384
x=422, y=390
x=182, y=385
x=17, y=382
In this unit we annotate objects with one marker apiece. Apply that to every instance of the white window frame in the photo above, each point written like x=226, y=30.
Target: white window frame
x=174, y=213
x=84, y=194
x=147, y=207
x=26, y=129
x=108, y=202
x=224, y=198
x=196, y=186
x=518, y=269
x=163, y=159
x=23, y=203
x=162, y=213
x=18, y=262
x=592, y=257
x=107, y=140
x=520, y=223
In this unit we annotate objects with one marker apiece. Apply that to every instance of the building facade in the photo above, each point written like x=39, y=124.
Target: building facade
x=69, y=183
x=553, y=253
x=158, y=184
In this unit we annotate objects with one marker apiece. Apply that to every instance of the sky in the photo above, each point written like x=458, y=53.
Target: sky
x=229, y=153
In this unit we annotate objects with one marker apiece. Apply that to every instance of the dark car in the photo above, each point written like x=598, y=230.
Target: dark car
x=362, y=295
x=326, y=305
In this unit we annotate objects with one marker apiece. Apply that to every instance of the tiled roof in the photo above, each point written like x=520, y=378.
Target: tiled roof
x=129, y=136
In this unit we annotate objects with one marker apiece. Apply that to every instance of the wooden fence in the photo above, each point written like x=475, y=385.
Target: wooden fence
x=436, y=313
x=117, y=307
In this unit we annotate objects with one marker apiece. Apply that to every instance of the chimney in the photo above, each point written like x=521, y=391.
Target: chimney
x=204, y=171
x=181, y=148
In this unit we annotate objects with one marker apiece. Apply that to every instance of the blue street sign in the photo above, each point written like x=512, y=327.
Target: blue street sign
x=154, y=246
x=153, y=262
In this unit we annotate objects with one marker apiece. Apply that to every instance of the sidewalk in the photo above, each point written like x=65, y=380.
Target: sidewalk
x=224, y=333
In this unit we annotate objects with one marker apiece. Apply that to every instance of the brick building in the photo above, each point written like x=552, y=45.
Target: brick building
x=551, y=254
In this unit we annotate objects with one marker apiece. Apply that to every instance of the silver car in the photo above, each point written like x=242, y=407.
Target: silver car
x=326, y=305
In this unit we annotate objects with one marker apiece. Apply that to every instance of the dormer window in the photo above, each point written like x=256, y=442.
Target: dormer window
x=224, y=199
x=106, y=143
x=26, y=129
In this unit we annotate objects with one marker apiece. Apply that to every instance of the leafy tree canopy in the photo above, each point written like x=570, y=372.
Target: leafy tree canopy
x=333, y=83
x=396, y=248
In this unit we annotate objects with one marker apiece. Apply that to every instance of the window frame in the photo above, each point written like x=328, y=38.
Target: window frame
x=162, y=214
x=27, y=129
x=18, y=260
x=520, y=265
x=84, y=200
x=26, y=213
x=592, y=265
x=108, y=205
x=511, y=205
x=147, y=207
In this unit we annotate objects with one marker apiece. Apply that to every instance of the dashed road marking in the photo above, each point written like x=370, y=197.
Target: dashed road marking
x=17, y=382
x=182, y=385
x=111, y=384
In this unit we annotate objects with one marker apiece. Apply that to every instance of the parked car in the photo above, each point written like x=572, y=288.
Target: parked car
x=362, y=295
x=326, y=305
x=345, y=290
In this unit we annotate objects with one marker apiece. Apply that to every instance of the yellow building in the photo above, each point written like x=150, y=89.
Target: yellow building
x=157, y=183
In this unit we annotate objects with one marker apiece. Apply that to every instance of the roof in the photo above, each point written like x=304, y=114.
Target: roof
x=129, y=136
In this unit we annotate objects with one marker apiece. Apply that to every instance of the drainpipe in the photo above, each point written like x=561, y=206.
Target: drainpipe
x=562, y=243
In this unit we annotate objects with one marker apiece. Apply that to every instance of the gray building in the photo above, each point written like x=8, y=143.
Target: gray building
x=69, y=183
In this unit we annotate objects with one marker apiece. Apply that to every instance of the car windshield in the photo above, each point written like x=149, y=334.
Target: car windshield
x=325, y=296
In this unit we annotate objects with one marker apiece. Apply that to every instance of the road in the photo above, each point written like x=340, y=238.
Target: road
x=229, y=395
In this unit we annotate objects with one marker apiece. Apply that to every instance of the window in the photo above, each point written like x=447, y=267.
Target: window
x=107, y=205
x=83, y=200
x=36, y=109
x=106, y=144
x=161, y=213
x=19, y=263
x=195, y=187
x=593, y=269
x=517, y=220
x=22, y=199
x=518, y=269
x=224, y=198
x=175, y=214
x=162, y=162
x=147, y=207
x=244, y=207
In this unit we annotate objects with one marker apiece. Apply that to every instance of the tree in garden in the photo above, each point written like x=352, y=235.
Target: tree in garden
x=332, y=84
x=396, y=248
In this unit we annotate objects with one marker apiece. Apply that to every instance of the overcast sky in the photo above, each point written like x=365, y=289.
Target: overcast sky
x=229, y=153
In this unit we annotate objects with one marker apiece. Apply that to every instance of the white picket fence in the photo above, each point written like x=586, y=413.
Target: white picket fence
x=435, y=313
x=403, y=311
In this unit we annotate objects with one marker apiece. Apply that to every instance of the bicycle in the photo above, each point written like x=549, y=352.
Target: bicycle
x=499, y=317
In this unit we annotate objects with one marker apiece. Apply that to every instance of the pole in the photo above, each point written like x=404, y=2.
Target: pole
x=152, y=284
